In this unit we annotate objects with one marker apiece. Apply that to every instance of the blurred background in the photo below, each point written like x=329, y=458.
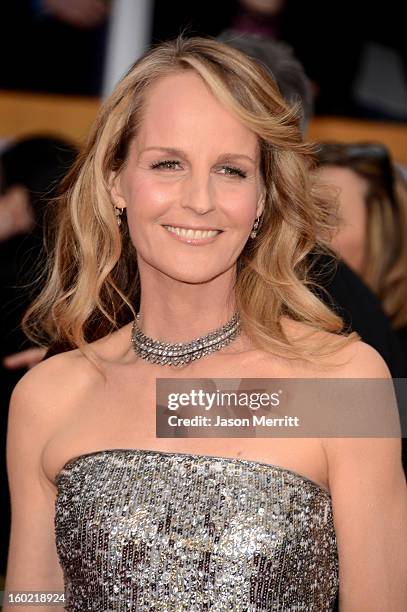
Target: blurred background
x=353, y=54
x=60, y=58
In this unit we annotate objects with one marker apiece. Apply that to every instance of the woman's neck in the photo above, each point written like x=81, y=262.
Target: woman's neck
x=174, y=311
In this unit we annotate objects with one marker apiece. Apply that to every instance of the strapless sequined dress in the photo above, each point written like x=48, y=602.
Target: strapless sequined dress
x=158, y=531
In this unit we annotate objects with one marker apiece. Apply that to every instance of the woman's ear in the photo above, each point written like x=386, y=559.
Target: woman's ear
x=116, y=191
x=261, y=202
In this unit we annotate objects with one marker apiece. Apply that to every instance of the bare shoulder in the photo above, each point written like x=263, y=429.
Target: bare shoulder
x=45, y=391
x=56, y=385
x=355, y=359
x=53, y=375
x=39, y=406
x=360, y=360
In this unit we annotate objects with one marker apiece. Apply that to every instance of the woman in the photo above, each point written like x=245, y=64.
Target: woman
x=203, y=164
x=372, y=236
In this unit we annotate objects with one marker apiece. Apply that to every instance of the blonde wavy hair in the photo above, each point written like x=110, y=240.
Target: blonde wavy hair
x=385, y=259
x=92, y=283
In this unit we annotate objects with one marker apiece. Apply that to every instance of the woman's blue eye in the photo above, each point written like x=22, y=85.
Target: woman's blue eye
x=168, y=164
x=232, y=171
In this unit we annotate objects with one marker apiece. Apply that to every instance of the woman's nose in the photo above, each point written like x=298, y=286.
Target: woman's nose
x=199, y=197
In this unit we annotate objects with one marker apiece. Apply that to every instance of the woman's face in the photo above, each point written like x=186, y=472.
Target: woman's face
x=350, y=240
x=191, y=182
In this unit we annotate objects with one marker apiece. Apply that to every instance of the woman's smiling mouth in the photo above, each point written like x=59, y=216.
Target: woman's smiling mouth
x=192, y=236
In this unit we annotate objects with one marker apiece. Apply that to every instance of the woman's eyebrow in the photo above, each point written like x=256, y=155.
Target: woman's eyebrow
x=169, y=150
x=235, y=156
x=180, y=153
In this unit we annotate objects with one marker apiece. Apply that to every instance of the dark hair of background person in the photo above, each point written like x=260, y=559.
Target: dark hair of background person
x=280, y=61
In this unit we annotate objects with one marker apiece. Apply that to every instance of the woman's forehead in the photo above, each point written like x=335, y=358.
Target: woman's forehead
x=180, y=108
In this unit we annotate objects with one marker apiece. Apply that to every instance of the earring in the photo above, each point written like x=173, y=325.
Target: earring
x=118, y=212
x=253, y=233
x=255, y=227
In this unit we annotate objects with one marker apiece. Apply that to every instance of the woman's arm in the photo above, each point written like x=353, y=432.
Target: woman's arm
x=369, y=497
x=32, y=564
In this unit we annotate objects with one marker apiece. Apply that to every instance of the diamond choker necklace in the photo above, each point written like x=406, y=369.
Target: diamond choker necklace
x=165, y=353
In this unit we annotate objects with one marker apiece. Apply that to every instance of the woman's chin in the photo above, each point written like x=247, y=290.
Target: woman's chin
x=194, y=276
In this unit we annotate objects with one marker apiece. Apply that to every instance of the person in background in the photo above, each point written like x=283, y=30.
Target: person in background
x=16, y=214
x=70, y=34
x=259, y=17
x=30, y=170
x=372, y=235
x=81, y=14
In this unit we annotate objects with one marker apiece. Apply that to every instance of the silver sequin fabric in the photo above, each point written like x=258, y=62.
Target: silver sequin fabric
x=172, y=532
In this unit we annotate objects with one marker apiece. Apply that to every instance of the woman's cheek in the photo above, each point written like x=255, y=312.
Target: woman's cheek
x=241, y=206
x=157, y=193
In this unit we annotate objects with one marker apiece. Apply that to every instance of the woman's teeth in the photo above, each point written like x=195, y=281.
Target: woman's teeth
x=190, y=233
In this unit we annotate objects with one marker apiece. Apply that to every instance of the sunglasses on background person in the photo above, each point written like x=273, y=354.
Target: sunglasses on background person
x=370, y=160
